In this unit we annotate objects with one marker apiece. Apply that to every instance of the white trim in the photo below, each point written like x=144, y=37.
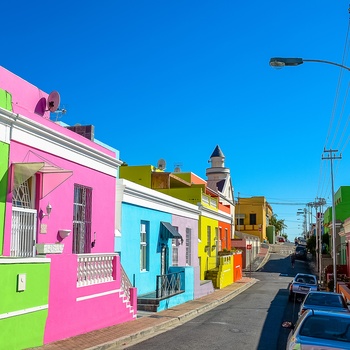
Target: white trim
x=130, y=192
x=92, y=296
x=41, y=136
x=23, y=311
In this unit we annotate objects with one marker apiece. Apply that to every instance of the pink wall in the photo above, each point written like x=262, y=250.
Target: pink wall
x=67, y=316
x=61, y=200
x=103, y=306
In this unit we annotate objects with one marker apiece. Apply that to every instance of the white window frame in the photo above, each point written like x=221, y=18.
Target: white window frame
x=143, y=246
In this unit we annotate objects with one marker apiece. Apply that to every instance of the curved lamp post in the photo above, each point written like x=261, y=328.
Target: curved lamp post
x=280, y=62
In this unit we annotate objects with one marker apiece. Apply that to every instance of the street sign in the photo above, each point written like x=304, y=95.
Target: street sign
x=249, y=246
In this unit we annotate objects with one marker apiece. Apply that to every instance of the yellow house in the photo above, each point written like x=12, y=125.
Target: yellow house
x=253, y=215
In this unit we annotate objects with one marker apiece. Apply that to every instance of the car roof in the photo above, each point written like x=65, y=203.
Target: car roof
x=323, y=292
x=305, y=274
x=332, y=313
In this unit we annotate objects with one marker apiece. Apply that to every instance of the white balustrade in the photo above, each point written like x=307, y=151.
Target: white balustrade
x=94, y=269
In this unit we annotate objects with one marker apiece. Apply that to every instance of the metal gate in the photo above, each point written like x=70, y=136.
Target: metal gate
x=23, y=232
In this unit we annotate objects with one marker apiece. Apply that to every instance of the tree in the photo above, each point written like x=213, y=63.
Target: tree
x=279, y=224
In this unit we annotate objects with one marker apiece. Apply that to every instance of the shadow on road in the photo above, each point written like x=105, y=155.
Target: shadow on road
x=280, y=308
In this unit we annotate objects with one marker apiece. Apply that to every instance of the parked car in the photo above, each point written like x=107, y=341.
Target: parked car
x=301, y=285
x=300, y=252
x=302, y=241
x=316, y=329
x=328, y=301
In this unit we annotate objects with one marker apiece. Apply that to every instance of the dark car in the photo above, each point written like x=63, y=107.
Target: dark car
x=328, y=301
x=300, y=253
x=316, y=329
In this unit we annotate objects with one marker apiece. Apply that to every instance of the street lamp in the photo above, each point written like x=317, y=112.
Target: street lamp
x=280, y=62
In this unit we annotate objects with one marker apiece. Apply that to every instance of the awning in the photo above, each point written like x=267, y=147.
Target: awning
x=52, y=175
x=168, y=231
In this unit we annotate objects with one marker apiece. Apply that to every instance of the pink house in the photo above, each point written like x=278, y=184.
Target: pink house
x=60, y=213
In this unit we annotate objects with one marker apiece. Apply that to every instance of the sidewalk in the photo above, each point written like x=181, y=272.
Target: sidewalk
x=118, y=336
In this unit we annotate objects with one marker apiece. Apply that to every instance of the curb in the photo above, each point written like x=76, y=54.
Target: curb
x=177, y=321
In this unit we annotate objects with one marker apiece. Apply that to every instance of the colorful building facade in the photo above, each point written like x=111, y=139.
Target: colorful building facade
x=58, y=265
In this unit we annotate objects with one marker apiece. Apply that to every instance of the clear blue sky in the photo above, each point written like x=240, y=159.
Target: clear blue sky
x=172, y=79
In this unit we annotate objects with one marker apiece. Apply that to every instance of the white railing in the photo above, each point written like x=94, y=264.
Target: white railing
x=23, y=232
x=94, y=269
x=125, y=283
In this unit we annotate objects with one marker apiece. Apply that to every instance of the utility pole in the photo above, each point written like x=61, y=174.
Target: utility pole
x=319, y=202
x=331, y=156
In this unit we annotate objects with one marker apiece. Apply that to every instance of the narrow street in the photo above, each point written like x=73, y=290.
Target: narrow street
x=252, y=320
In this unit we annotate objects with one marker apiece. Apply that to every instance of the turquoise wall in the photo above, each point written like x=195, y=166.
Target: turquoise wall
x=129, y=243
x=187, y=284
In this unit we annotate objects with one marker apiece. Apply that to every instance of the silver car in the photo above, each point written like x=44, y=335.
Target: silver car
x=316, y=329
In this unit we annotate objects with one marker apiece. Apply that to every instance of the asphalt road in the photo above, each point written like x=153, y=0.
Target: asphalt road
x=251, y=320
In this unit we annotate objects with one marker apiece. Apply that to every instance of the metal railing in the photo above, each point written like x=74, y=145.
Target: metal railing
x=169, y=284
x=23, y=232
x=94, y=268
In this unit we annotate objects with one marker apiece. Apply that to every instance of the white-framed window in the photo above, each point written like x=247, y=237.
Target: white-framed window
x=82, y=214
x=175, y=249
x=144, y=246
x=188, y=246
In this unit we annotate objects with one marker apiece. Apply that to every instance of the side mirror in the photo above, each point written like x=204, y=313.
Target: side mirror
x=288, y=324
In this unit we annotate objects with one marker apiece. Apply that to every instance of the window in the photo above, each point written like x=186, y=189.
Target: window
x=188, y=246
x=175, y=246
x=240, y=221
x=209, y=239
x=82, y=219
x=227, y=237
x=252, y=219
x=143, y=246
x=175, y=249
x=22, y=195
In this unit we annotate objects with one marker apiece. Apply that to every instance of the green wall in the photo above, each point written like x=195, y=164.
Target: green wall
x=26, y=329
x=5, y=100
x=138, y=174
x=4, y=164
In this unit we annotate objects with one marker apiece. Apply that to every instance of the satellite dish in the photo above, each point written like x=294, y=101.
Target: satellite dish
x=177, y=169
x=53, y=101
x=161, y=164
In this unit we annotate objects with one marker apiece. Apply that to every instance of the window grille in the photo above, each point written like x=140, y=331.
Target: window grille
x=82, y=219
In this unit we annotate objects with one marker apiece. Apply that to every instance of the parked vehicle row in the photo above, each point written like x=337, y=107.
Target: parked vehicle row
x=323, y=318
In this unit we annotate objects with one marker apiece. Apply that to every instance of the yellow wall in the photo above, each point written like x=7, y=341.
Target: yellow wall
x=253, y=205
x=206, y=252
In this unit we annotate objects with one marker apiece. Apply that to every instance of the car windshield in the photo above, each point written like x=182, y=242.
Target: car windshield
x=326, y=327
x=305, y=279
x=328, y=299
